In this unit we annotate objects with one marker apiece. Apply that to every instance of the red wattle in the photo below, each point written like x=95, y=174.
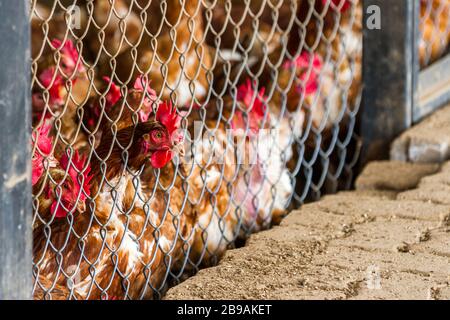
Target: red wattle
x=160, y=158
x=59, y=212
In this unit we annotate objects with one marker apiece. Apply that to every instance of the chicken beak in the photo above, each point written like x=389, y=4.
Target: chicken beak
x=81, y=206
x=180, y=149
x=52, y=162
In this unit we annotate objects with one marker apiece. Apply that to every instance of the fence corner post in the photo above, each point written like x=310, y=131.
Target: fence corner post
x=390, y=72
x=15, y=159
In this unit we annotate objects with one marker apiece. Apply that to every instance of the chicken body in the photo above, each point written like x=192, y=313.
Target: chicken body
x=265, y=187
x=336, y=42
x=61, y=89
x=61, y=83
x=211, y=171
x=239, y=182
x=123, y=244
x=170, y=51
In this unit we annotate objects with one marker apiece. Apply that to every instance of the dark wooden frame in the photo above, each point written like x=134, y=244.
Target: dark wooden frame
x=397, y=94
x=390, y=75
x=434, y=88
x=15, y=165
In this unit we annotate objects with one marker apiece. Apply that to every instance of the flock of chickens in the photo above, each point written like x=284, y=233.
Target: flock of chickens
x=166, y=130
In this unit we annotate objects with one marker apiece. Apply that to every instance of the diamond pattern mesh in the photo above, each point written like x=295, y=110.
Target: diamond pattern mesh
x=167, y=131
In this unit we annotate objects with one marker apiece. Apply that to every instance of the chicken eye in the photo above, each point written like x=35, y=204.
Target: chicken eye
x=157, y=136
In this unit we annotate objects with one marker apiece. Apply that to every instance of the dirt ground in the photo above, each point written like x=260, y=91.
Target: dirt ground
x=389, y=239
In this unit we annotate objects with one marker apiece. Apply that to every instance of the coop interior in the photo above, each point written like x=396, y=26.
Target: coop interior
x=165, y=132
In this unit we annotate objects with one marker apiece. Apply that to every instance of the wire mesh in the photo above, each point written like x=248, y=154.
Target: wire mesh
x=435, y=30
x=167, y=131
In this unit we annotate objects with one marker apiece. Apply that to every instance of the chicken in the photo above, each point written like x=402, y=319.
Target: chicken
x=336, y=39
x=62, y=191
x=60, y=90
x=264, y=188
x=171, y=54
x=238, y=181
x=244, y=36
x=307, y=86
x=296, y=97
x=313, y=86
x=110, y=108
x=435, y=30
x=211, y=168
x=117, y=248
x=337, y=43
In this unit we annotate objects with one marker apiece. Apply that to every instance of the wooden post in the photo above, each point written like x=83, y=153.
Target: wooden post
x=390, y=72
x=15, y=159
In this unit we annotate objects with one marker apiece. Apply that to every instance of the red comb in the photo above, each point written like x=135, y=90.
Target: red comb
x=168, y=117
x=142, y=85
x=113, y=94
x=256, y=108
x=246, y=94
x=77, y=165
x=43, y=140
x=69, y=56
x=303, y=60
x=54, y=88
x=309, y=78
x=44, y=145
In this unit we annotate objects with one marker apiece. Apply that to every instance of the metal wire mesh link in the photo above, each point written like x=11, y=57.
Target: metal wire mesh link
x=265, y=93
x=435, y=30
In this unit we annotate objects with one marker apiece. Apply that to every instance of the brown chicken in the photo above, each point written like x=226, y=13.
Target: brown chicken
x=61, y=88
x=116, y=27
x=315, y=84
x=238, y=181
x=118, y=248
x=334, y=47
x=211, y=169
x=110, y=109
x=244, y=36
x=56, y=189
x=170, y=53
